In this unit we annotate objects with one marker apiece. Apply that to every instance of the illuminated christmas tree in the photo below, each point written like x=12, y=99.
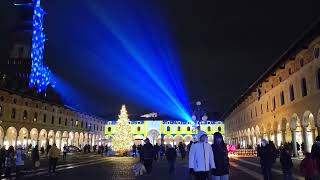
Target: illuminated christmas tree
x=122, y=138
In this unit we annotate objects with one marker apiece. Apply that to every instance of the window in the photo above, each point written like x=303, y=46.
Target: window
x=138, y=129
x=13, y=114
x=26, y=103
x=219, y=129
x=44, y=118
x=81, y=124
x=52, y=120
x=318, y=78
x=179, y=128
x=304, y=87
x=291, y=93
x=25, y=115
x=251, y=113
x=274, y=103
x=255, y=109
x=2, y=98
x=289, y=70
x=188, y=128
x=316, y=52
x=280, y=79
x=168, y=128
x=77, y=123
x=59, y=120
x=209, y=129
x=282, y=97
x=71, y=122
x=14, y=101
x=86, y=125
x=261, y=109
x=109, y=129
x=0, y=109
x=66, y=122
x=301, y=62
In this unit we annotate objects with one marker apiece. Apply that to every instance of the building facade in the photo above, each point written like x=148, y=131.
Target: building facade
x=171, y=132
x=283, y=105
x=25, y=120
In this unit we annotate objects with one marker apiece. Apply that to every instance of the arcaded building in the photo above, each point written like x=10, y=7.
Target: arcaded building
x=25, y=120
x=283, y=105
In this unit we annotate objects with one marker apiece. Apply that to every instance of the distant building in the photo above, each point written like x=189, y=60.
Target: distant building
x=283, y=105
x=171, y=132
x=26, y=120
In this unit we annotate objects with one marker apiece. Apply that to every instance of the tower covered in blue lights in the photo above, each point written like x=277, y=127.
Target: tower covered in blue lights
x=40, y=75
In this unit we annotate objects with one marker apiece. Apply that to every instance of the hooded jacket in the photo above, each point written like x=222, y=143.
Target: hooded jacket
x=201, y=155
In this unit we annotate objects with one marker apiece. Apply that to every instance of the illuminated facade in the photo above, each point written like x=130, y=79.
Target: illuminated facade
x=171, y=132
x=25, y=120
x=283, y=104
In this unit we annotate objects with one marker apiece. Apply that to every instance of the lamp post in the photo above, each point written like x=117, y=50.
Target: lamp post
x=198, y=115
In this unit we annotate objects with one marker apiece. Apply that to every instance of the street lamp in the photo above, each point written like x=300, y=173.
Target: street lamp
x=198, y=115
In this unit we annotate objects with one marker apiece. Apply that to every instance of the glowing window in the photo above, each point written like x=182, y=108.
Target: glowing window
x=188, y=128
x=168, y=128
x=25, y=114
x=179, y=128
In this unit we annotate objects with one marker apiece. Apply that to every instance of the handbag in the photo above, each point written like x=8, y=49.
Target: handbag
x=37, y=164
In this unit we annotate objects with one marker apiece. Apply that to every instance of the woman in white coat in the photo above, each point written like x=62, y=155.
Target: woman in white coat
x=201, y=159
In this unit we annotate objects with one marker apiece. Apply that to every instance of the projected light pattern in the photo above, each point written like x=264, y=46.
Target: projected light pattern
x=40, y=76
x=141, y=59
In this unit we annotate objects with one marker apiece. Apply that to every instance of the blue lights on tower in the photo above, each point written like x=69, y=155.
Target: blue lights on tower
x=40, y=76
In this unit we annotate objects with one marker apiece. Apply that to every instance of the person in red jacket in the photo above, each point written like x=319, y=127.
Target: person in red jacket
x=308, y=167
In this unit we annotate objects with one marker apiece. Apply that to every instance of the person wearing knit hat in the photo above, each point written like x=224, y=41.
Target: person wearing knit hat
x=221, y=159
x=201, y=158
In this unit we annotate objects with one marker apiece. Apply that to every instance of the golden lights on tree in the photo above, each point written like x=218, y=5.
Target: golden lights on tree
x=122, y=138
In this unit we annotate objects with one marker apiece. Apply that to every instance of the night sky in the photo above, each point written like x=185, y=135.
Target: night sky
x=223, y=46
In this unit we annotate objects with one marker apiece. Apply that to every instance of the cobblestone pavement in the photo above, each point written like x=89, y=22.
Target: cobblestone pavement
x=90, y=166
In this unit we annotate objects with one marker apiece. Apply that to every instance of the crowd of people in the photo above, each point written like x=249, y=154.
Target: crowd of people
x=205, y=160
x=309, y=166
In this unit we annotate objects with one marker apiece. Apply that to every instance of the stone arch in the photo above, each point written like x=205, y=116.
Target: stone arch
x=188, y=138
x=23, y=137
x=86, y=138
x=294, y=122
x=1, y=135
x=71, y=138
x=64, y=139
x=153, y=134
x=76, y=139
x=308, y=123
x=43, y=138
x=177, y=139
x=11, y=135
x=34, y=137
x=58, y=139
x=168, y=139
x=51, y=137
x=81, y=140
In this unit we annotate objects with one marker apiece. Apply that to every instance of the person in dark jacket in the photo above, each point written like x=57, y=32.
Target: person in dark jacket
x=35, y=156
x=2, y=159
x=156, y=151
x=182, y=150
x=266, y=159
x=148, y=155
x=171, y=155
x=134, y=150
x=286, y=163
x=315, y=153
x=140, y=152
x=221, y=159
